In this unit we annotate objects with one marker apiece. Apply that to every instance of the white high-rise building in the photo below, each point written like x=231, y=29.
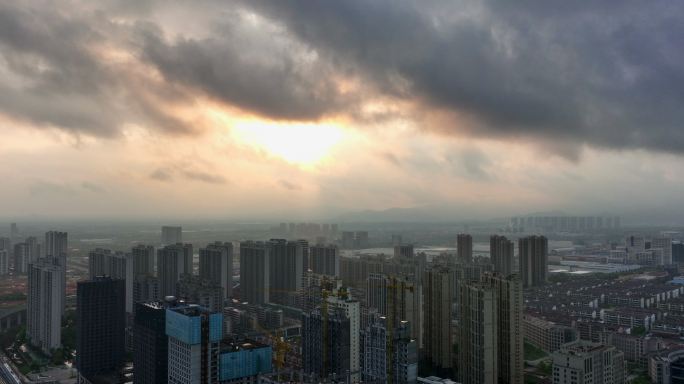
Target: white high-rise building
x=171, y=235
x=194, y=342
x=582, y=362
x=56, y=246
x=45, y=308
x=664, y=243
x=343, y=300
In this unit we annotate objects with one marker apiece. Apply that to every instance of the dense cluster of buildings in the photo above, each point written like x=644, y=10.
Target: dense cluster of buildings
x=285, y=310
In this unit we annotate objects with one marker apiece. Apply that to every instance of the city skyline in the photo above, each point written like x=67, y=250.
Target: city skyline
x=123, y=110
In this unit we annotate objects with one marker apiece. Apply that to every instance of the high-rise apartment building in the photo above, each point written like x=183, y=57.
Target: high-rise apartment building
x=44, y=304
x=326, y=343
x=173, y=261
x=206, y=293
x=341, y=299
x=255, y=258
x=21, y=257
x=584, y=362
x=171, y=235
x=664, y=243
x=395, y=298
x=286, y=270
x=438, y=296
x=117, y=265
x=347, y=240
x=150, y=342
x=501, y=252
x=195, y=335
x=33, y=249
x=216, y=265
x=4, y=262
x=6, y=245
x=101, y=323
x=389, y=352
x=324, y=259
x=56, y=246
x=464, y=247
x=533, y=260
x=143, y=260
x=490, y=340
x=361, y=240
x=404, y=252
x=508, y=326
x=306, y=257
x=145, y=289
x=477, y=344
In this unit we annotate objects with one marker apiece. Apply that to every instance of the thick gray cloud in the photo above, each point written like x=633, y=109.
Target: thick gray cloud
x=606, y=73
x=55, y=76
x=249, y=68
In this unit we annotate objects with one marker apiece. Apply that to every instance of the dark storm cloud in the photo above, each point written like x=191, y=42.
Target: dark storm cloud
x=603, y=73
x=565, y=74
x=55, y=76
x=250, y=69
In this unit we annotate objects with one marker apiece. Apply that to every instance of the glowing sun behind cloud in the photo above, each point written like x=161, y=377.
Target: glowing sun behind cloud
x=303, y=144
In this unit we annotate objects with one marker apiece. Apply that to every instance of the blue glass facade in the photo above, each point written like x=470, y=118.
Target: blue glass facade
x=215, y=327
x=186, y=326
x=244, y=362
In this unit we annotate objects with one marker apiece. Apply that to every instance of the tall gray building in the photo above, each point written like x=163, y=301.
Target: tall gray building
x=533, y=260
x=33, y=249
x=490, y=330
x=326, y=343
x=325, y=259
x=21, y=258
x=286, y=270
x=173, y=261
x=403, y=252
x=117, y=265
x=396, y=299
x=255, y=258
x=216, y=265
x=390, y=354
x=4, y=262
x=464, y=246
x=44, y=304
x=143, y=259
x=477, y=342
x=501, y=252
x=56, y=246
x=438, y=296
x=145, y=289
x=171, y=235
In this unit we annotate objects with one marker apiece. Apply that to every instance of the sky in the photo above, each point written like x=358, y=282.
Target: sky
x=318, y=109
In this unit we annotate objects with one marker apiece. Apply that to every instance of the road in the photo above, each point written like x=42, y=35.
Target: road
x=7, y=375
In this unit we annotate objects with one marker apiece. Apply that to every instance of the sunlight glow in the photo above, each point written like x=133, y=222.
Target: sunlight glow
x=304, y=144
